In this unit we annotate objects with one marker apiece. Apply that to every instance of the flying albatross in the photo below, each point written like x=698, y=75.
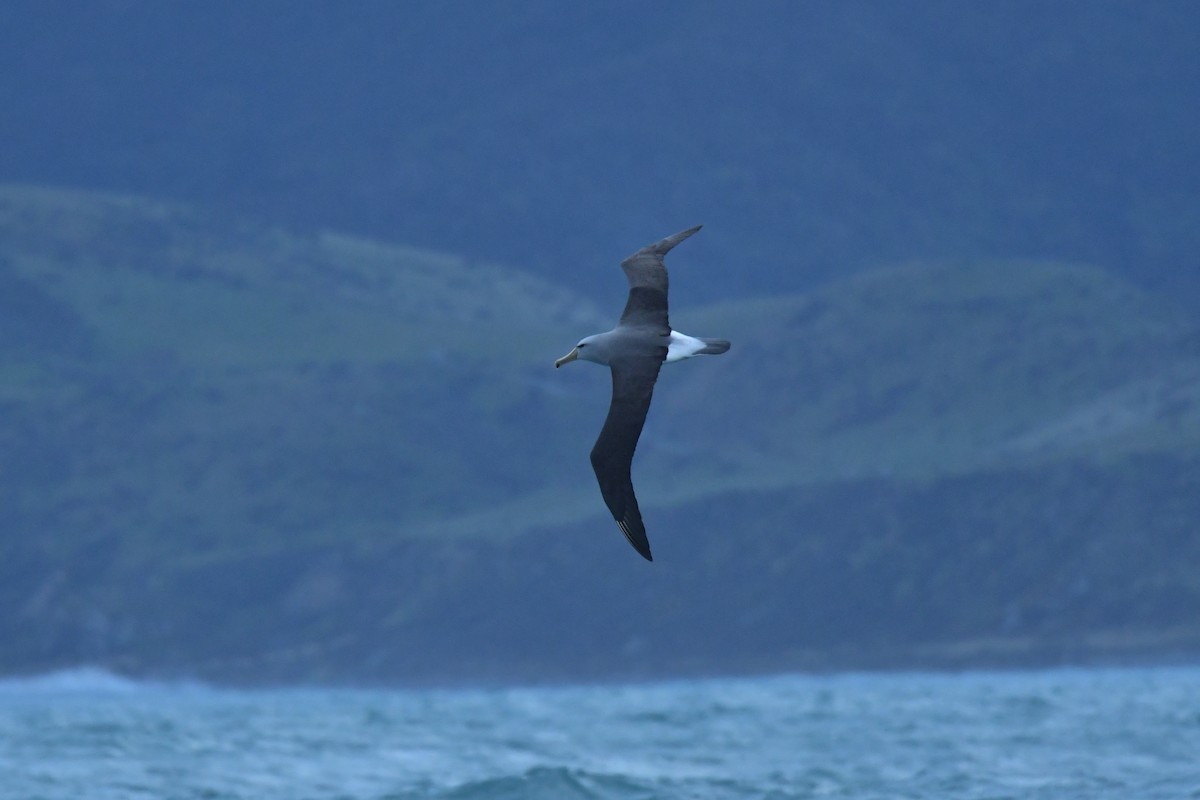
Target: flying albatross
x=635, y=351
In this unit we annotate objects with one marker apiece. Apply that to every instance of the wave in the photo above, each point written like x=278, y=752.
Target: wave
x=551, y=783
x=83, y=680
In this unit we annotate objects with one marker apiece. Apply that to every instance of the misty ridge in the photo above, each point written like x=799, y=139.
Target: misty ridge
x=279, y=306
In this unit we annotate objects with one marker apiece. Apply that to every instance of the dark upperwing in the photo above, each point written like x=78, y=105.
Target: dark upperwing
x=648, y=284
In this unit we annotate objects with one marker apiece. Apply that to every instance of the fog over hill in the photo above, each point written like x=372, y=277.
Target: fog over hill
x=814, y=139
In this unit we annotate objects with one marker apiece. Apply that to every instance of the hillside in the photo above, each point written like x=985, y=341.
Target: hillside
x=253, y=454
x=202, y=367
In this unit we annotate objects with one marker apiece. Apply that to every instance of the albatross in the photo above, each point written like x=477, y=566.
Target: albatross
x=635, y=351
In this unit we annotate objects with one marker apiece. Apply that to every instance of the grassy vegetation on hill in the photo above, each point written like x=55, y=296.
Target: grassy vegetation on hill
x=929, y=370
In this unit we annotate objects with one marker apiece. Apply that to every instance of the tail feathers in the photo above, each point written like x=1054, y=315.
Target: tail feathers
x=713, y=347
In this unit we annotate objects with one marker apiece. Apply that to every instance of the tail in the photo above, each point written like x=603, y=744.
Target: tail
x=713, y=347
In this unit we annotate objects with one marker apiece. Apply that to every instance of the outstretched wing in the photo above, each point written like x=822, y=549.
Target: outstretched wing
x=647, y=274
x=612, y=455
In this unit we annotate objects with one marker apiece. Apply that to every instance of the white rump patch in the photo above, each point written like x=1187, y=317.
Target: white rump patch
x=683, y=346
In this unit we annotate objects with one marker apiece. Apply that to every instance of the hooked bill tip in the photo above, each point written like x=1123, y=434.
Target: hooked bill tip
x=571, y=356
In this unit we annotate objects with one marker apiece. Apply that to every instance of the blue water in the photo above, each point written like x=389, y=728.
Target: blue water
x=1130, y=734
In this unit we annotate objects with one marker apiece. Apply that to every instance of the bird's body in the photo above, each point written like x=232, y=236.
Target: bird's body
x=635, y=351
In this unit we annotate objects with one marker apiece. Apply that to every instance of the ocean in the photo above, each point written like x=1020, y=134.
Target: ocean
x=1132, y=734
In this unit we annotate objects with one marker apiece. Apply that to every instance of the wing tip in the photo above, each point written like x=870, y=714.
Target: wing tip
x=639, y=541
x=662, y=246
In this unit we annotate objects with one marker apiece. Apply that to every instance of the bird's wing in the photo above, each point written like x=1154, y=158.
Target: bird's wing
x=647, y=274
x=612, y=455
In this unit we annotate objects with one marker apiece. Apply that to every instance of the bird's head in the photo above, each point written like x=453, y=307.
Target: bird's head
x=587, y=349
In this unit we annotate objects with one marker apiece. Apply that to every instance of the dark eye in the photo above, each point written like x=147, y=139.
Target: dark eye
x=582, y=344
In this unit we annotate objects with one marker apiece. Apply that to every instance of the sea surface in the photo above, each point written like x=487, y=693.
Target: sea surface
x=1131, y=734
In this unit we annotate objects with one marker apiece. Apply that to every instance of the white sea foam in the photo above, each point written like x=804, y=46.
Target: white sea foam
x=84, y=680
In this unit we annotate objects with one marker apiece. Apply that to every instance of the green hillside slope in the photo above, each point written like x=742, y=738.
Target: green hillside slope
x=160, y=364
x=927, y=370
